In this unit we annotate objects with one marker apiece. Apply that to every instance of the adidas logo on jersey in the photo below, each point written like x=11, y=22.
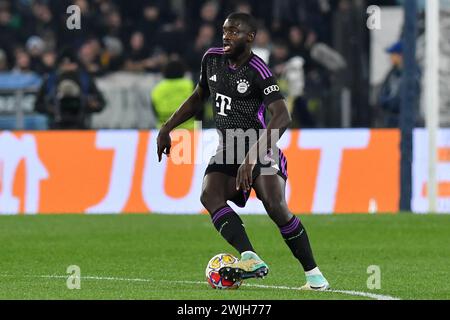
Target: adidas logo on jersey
x=213, y=78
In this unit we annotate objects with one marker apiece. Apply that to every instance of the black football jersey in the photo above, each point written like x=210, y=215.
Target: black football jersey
x=240, y=96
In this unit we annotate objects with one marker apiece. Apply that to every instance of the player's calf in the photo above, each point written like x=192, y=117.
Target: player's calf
x=231, y=227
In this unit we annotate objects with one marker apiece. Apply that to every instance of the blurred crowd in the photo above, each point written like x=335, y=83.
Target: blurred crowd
x=141, y=35
x=295, y=38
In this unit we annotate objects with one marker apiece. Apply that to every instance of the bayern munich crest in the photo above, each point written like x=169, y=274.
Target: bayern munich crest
x=242, y=85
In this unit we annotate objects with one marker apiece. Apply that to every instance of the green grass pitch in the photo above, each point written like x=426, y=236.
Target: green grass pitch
x=164, y=256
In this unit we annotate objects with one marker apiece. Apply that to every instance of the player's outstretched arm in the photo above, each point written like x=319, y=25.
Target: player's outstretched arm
x=280, y=121
x=187, y=110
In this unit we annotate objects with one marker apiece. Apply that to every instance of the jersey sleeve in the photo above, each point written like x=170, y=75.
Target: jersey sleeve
x=267, y=84
x=203, y=79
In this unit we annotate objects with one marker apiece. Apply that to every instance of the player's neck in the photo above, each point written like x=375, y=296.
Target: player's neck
x=240, y=60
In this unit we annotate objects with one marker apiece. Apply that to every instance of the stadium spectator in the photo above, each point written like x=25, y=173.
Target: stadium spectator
x=3, y=61
x=42, y=22
x=113, y=26
x=173, y=37
x=293, y=72
x=173, y=90
x=22, y=61
x=206, y=39
x=112, y=58
x=262, y=45
x=262, y=10
x=279, y=56
x=290, y=71
x=150, y=24
x=7, y=35
x=137, y=53
x=48, y=61
x=301, y=42
x=35, y=47
x=297, y=41
x=389, y=99
x=89, y=56
x=209, y=14
x=103, y=6
x=68, y=96
x=244, y=7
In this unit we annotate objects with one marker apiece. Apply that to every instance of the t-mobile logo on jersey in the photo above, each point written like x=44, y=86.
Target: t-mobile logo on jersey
x=223, y=102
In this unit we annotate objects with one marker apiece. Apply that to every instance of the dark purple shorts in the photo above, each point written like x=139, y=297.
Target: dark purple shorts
x=270, y=167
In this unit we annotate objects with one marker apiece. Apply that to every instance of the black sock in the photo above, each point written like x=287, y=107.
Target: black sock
x=231, y=227
x=294, y=234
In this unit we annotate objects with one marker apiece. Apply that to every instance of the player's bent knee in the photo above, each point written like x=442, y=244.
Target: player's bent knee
x=275, y=205
x=211, y=201
x=273, y=201
x=205, y=199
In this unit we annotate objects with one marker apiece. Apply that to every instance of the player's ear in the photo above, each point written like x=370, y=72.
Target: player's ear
x=251, y=36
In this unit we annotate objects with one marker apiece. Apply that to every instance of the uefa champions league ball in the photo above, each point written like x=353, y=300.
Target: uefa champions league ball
x=213, y=277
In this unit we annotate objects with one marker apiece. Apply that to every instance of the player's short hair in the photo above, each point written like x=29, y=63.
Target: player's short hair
x=246, y=19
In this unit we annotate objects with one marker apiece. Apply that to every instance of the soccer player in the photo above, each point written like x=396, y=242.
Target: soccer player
x=243, y=88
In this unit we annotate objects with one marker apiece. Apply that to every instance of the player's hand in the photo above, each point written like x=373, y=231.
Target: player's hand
x=244, y=176
x=164, y=143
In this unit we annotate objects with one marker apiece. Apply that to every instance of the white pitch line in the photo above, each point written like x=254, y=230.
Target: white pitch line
x=352, y=293
x=347, y=292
